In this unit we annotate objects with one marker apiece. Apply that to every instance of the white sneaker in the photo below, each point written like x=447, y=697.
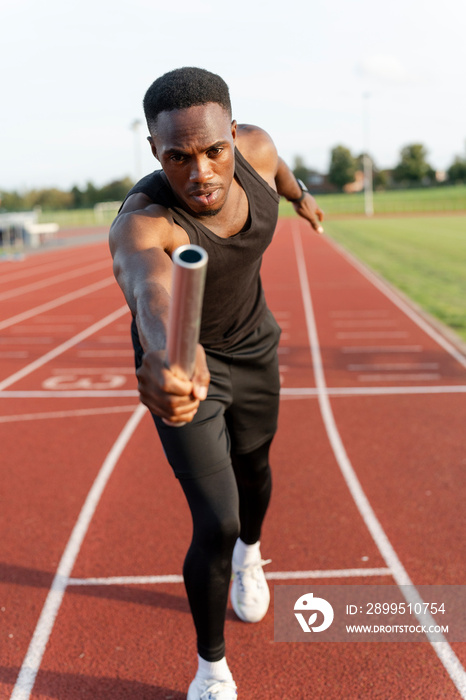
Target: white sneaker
x=201, y=689
x=250, y=595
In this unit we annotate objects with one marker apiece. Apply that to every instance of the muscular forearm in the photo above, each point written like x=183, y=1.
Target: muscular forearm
x=145, y=287
x=303, y=202
x=287, y=185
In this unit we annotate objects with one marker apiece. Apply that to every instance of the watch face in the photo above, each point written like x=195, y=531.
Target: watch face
x=302, y=185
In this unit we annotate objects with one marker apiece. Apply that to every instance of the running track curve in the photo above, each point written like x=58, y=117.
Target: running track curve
x=368, y=485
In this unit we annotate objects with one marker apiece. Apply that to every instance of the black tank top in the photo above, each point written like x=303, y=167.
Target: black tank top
x=234, y=303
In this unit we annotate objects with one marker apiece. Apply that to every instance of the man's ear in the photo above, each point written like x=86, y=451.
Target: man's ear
x=234, y=126
x=152, y=147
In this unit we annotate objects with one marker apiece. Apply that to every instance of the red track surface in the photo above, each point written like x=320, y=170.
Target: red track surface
x=397, y=405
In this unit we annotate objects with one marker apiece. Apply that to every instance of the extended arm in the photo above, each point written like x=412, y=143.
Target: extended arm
x=303, y=203
x=141, y=242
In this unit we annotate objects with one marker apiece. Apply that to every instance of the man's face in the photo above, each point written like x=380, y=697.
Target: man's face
x=195, y=147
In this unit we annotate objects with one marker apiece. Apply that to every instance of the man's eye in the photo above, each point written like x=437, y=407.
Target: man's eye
x=215, y=151
x=177, y=158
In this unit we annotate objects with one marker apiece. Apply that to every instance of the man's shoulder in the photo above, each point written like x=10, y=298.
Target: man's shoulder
x=143, y=223
x=257, y=146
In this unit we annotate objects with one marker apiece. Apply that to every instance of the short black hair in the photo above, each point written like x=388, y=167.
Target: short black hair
x=182, y=88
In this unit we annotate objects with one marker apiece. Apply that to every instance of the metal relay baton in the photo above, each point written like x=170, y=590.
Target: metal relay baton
x=184, y=318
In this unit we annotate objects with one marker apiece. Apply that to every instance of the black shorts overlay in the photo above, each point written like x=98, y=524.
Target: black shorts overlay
x=240, y=412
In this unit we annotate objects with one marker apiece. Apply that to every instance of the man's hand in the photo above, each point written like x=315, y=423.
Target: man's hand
x=168, y=396
x=309, y=209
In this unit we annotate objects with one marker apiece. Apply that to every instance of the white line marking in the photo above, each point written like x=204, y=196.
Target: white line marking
x=363, y=313
x=285, y=392
x=31, y=270
x=443, y=650
x=393, y=366
x=36, y=340
x=402, y=305
x=115, y=339
x=425, y=377
x=60, y=349
x=32, y=661
x=56, y=302
x=11, y=354
x=65, y=276
x=372, y=334
x=68, y=318
x=51, y=415
x=355, y=323
x=105, y=353
x=44, y=329
x=330, y=573
x=65, y=394
x=271, y=575
x=93, y=370
x=303, y=392
x=381, y=350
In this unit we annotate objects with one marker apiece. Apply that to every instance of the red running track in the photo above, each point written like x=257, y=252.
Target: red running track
x=368, y=486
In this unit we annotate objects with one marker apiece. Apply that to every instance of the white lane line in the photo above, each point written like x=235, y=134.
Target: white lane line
x=93, y=370
x=115, y=339
x=14, y=354
x=285, y=392
x=70, y=394
x=105, y=353
x=60, y=349
x=18, y=318
x=67, y=318
x=362, y=313
x=40, y=269
x=392, y=366
x=371, y=334
x=421, y=377
x=36, y=340
x=361, y=323
x=271, y=575
x=402, y=305
x=62, y=328
x=71, y=274
x=77, y=413
x=311, y=392
x=32, y=661
x=380, y=350
x=443, y=650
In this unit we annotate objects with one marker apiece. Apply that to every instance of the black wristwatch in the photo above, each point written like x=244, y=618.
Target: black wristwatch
x=303, y=192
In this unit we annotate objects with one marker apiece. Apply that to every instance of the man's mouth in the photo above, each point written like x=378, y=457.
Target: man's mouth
x=206, y=198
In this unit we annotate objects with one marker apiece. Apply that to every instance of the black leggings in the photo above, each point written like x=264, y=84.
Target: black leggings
x=225, y=505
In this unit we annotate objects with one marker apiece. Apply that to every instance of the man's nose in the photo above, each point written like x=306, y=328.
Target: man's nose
x=201, y=170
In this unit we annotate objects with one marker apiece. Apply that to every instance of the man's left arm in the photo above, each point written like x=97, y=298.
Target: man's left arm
x=259, y=149
x=303, y=202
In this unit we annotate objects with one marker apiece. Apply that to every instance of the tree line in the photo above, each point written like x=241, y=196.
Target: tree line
x=412, y=169
x=76, y=198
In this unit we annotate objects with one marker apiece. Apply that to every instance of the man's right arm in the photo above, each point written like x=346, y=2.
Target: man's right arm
x=141, y=242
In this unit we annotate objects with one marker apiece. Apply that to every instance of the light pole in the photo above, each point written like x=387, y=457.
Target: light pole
x=367, y=162
x=135, y=127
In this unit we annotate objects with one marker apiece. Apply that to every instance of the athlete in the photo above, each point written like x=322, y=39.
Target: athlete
x=219, y=187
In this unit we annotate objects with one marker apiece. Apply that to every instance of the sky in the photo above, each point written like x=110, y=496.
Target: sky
x=368, y=75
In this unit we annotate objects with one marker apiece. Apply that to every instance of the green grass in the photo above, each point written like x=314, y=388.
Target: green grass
x=77, y=218
x=425, y=257
x=432, y=199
